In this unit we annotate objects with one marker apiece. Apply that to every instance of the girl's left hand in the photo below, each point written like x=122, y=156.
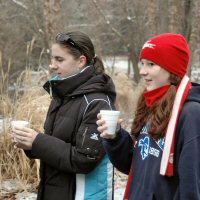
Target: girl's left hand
x=24, y=137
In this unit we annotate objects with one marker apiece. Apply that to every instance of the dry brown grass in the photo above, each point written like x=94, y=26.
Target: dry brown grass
x=30, y=104
x=127, y=94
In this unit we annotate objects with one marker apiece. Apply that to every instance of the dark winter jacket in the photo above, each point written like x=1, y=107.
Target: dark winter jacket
x=71, y=144
x=145, y=156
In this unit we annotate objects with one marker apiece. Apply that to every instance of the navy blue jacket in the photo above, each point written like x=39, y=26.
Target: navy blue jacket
x=147, y=183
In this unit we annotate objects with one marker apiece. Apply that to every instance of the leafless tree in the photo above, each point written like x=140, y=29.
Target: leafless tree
x=143, y=19
x=116, y=27
x=52, y=19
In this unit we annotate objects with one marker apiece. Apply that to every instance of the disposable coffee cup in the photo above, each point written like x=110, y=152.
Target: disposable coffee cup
x=111, y=117
x=20, y=124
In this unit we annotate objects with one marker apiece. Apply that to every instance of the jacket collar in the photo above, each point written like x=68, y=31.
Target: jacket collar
x=64, y=87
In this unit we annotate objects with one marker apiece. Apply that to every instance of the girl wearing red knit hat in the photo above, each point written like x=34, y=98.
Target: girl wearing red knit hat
x=161, y=154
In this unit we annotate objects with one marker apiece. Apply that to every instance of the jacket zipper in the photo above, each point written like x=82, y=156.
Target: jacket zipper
x=84, y=136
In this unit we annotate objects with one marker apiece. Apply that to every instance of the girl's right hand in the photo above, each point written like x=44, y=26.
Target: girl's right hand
x=102, y=127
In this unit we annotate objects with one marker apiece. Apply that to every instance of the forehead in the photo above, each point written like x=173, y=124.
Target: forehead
x=59, y=49
x=146, y=60
x=156, y=66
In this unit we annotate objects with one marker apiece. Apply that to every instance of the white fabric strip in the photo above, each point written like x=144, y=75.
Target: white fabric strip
x=88, y=103
x=172, y=124
x=110, y=181
x=80, y=186
x=86, y=99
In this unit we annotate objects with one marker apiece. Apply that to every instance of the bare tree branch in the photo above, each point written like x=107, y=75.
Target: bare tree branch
x=20, y=4
x=109, y=24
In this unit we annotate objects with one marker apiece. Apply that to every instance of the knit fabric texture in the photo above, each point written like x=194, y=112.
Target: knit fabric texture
x=170, y=51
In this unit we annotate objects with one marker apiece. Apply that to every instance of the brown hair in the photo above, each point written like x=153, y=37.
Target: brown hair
x=85, y=47
x=158, y=116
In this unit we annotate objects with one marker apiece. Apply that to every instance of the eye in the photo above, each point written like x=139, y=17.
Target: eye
x=150, y=64
x=140, y=64
x=59, y=59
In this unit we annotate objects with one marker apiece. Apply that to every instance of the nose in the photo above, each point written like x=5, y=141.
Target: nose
x=143, y=71
x=53, y=65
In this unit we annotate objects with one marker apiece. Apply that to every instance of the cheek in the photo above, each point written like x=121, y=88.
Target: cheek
x=166, y=77
x=65, y=66
x=62, y=67
x=163, y=79
x=69, y=68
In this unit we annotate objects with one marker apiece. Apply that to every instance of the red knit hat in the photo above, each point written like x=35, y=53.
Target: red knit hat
x=169, y=51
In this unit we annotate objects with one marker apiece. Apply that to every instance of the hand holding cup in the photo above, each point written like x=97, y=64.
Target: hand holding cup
x=18, y=124
x=23, y=135
x=107, y=123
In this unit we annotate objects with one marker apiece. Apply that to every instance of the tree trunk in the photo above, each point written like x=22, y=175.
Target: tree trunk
x=57, y=22
x=195, y=31
x=52, y=17
x=47, y=21
x=174, y=16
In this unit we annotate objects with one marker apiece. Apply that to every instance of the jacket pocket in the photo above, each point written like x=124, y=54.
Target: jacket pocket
x=88, y=142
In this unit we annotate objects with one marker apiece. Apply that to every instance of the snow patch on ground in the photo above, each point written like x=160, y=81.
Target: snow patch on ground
x=12, y=189
x=26, y=196
x=119, y=194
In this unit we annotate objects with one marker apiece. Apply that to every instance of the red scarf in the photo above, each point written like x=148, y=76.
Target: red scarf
x=153, y=95
x=167, y=161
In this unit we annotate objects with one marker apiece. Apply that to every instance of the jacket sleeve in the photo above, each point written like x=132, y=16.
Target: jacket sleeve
x=81, y=157
x=188, y=149
x=120, y=151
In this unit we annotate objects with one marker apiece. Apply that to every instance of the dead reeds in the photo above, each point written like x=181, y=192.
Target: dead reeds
x=128, y=93
x=27, y=102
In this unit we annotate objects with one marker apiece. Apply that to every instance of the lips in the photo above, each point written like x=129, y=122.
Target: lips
x=148, y=81
x=57, y=73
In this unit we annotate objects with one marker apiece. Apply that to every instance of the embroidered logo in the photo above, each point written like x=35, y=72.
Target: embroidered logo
x=94, y=136
x=144, y=144
x=154, y=152
x=148, y=45
x=144, y=130
x=161, y=143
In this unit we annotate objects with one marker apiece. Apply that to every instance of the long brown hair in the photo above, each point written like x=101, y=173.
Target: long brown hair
x=158, y=116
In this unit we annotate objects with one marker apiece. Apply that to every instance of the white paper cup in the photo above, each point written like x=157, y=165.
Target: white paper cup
x=20, y=124
x=111, y=117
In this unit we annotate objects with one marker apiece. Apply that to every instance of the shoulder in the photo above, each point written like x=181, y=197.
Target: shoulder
x=98, y=101
x=97, y=97
x=190, y=113
x=189, y=121
x=191, y=108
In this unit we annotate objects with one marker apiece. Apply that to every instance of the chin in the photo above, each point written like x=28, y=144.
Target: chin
x=150, y=88
x=59, y=75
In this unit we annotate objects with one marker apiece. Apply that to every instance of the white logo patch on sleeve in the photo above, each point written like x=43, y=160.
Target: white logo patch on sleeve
x=94, y=136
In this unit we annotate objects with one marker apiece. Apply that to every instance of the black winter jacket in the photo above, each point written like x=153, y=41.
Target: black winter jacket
x=66, y=148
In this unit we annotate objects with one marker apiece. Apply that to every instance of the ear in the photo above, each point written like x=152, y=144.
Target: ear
x=83, y=61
